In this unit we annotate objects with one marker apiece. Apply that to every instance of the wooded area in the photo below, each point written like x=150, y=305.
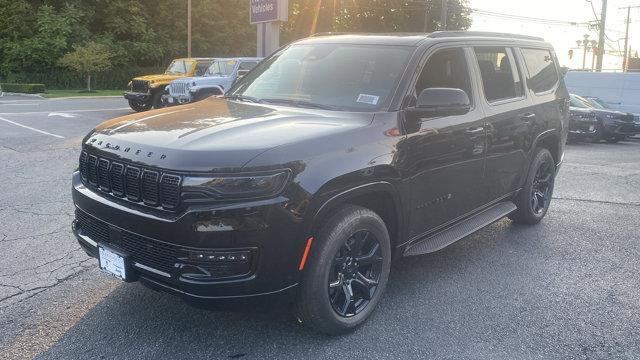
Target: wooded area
x=36, y=34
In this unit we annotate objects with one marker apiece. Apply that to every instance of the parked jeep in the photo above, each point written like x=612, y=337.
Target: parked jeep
x=331, y=158
x=217, y=79
x=613, y=125
x=145, y=92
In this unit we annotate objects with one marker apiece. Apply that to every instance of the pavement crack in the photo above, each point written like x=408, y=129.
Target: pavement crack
x=598, y=201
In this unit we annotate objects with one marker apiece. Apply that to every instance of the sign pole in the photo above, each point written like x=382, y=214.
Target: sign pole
x=267, y=15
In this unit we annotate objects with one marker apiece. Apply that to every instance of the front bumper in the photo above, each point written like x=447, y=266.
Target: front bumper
x=619, y=128
x=177, y=99
x=130, y=95
x=161, y=245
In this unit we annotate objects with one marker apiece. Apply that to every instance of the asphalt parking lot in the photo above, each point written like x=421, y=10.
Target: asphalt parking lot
x=565, y=289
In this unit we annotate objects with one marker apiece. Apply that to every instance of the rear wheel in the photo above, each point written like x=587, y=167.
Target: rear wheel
x=614, y=139
x=346, y=273
x=535, y=197
x=140, y=106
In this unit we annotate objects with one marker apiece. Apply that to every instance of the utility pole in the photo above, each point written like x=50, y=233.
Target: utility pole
x=603, y=22
x=627, y=53
x=443, y=15
x=188, y=28
x=427, y=17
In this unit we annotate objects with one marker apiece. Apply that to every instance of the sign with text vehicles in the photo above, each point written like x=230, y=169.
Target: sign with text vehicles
x=262, y=11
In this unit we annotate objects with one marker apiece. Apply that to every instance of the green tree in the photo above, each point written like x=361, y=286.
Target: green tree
x=91, y=58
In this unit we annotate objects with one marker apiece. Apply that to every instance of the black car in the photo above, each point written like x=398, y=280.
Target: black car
x=598, y=103
x=331, y=158
x=613, y=126
x=583, y=124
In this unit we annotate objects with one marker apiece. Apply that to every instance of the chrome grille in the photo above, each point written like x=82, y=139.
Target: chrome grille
x=149, y=186
x=178, y=88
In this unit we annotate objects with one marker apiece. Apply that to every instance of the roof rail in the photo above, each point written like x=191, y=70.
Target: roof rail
x=443, y=34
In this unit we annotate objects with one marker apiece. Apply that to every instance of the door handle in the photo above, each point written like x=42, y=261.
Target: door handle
x=528, y=117
x=475, y=131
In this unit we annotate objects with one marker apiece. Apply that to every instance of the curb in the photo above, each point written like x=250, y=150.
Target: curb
x=20, y=94
x=86, y=97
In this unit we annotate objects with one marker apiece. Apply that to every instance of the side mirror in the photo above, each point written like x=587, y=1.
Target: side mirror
x=436, y=102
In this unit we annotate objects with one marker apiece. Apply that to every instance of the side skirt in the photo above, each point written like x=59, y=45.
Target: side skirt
x=459, y=230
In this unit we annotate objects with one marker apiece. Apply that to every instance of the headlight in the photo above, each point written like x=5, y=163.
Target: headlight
x=234, y=187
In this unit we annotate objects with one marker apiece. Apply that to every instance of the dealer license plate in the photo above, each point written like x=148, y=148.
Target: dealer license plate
x=170, y=100
x=112, y=263
x=591, y=128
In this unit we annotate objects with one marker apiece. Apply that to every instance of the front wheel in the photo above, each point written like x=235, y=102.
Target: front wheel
x=140, y=106
x=346, y=273
x=535, y=197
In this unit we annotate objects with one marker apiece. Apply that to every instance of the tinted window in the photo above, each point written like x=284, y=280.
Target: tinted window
x=500, y=78
x=446, y=68
x=201, y=68
x=342, y=76
x=577, y=101
x=543, y=73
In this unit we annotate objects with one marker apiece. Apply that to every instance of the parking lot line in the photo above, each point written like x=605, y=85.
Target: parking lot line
x=30, y=128
x=66, y=111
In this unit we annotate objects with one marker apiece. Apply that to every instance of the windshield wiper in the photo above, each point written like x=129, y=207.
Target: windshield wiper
x=300, y=103
x=243, y=98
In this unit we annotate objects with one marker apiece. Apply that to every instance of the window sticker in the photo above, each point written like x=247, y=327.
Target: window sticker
x=368, y=99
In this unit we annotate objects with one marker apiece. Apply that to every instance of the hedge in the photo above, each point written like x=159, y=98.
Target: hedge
x=65, y=79
x=23, y=88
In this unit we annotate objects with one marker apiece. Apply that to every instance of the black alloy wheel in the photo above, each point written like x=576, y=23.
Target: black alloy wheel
x=140, y=106
x=355, y=275
x=541, y=188
x=346, y=272
x=534, y=198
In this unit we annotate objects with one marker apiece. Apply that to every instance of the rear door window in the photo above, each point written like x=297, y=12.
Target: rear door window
x=543, y=72
x=500, y=77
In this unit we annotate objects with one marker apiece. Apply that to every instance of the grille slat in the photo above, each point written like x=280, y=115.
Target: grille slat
x=151, y=187
x=92, y=170
x=116, y=175
x=103, y=175
x=83, y=164
x=132, y=184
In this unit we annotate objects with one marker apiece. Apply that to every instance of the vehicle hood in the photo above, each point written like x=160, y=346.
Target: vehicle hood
x=215, y=134
x=162, y=78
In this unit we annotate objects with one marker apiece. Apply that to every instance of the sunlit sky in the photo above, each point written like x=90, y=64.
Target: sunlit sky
x=562, y=36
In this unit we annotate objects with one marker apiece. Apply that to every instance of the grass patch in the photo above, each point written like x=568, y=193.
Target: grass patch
x=72, y=93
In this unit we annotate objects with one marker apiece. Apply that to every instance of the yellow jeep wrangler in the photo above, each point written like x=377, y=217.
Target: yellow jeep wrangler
x=145, y=92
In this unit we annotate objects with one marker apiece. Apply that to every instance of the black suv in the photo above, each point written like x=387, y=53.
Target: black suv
x=331, y=158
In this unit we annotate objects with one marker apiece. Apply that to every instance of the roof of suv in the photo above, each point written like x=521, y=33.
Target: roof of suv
x=411, y=39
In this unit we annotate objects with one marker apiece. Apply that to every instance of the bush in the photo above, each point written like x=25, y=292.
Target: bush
x=116, y=79
x=23, y=88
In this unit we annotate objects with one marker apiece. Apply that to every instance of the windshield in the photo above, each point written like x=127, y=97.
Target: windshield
x=221, y=68
x=577, y=101
x=335, y=76
x=179, y=67
x=598, y=104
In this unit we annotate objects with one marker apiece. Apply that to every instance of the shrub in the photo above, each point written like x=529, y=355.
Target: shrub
x=23, y=88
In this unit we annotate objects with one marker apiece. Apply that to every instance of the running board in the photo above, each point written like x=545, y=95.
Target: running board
x=460, y=230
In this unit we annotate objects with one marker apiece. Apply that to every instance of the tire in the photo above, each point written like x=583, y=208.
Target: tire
x=329, y=272
x=156, y=100
x=535, y=197
x=614, y=139
x=139, y=106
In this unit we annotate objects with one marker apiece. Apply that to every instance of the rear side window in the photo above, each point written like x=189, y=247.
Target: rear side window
x=543, y=72
x=500, y=78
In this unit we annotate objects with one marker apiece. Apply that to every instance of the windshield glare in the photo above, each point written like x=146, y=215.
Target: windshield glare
x=221, y=67
x=342, y=76
x=180, y=67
